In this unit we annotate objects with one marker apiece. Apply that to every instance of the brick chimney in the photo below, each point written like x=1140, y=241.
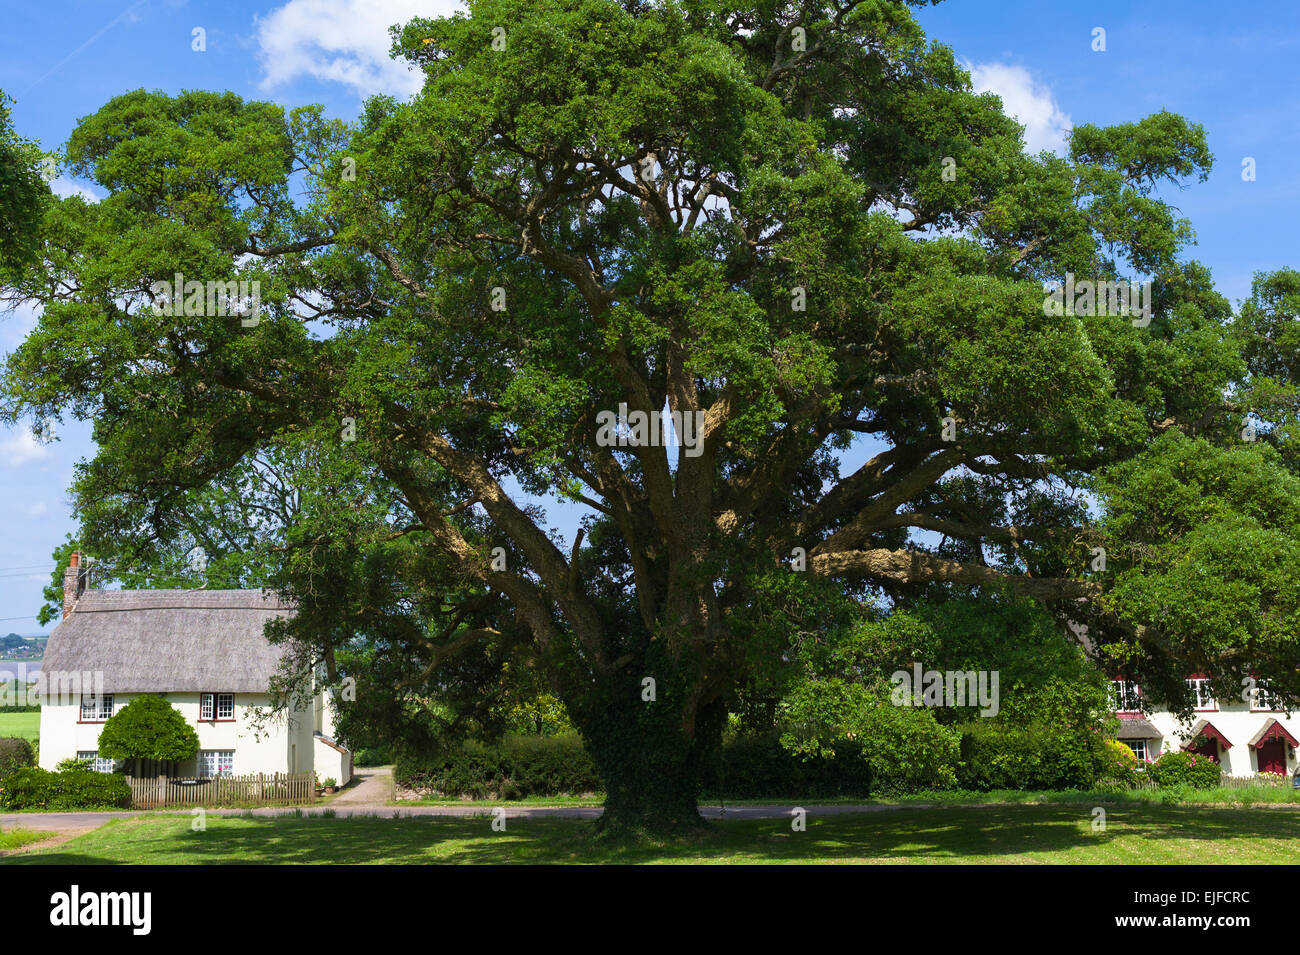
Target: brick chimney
x=74, y=583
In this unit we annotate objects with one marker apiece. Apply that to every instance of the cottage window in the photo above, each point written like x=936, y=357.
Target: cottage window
x=1139, y=747
x=1200, y=688
x=216, y=762
x=217, y=706
x=96, y=709
x=1262, y=699
x=1124, y=696
x=96, y=763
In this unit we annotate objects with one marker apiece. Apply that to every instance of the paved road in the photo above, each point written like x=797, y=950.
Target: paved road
x=52, y=821
x=374, y=790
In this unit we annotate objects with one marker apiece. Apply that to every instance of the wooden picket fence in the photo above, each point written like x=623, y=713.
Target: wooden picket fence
x=1271, y=780
x=1268, y=780
x=278, y=789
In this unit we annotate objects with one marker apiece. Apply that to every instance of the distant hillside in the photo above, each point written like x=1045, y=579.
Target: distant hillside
x=15, y=647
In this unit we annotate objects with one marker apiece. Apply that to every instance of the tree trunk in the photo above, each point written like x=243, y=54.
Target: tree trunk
x=652, y=761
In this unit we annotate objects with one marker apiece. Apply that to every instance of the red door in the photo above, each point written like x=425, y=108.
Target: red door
x=1271, y=756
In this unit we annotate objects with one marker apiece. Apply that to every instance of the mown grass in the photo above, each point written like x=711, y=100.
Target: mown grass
x=25, y=725
x=18, y=837
x=1223, y=796
x=1133, y=834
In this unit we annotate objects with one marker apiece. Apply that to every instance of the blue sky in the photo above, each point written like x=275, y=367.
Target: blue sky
x=1232, y=69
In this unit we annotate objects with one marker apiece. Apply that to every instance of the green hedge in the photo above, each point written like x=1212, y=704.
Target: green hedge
x=514, y=768
x=74, y=788
x=373, y=756
x=521, y=766
x=759, y=767
x=15, y=753
x=997, y=756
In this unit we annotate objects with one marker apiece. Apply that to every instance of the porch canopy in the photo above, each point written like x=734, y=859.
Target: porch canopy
x=1272, y=730
x=1209, y=731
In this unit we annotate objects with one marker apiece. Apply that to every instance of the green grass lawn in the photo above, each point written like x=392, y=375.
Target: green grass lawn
x=14, y=838
x=1005, y=834
x=1229, y=796
x=26, y=725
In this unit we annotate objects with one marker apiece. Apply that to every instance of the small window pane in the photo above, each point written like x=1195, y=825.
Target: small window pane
x=226, y=706
x=96, y=708
x=97, y=763
x=214, y=762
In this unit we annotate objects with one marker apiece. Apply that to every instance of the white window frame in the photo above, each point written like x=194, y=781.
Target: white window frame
x=1125, y=691
x=101, y=707
x=1204, y=701
x=213, y=705
x=211, y=763
x=1262, y=700
x=1139, y=747
x=98, y=764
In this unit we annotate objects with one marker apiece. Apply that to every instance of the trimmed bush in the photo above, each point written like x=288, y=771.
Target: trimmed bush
x=997, y=756
x=15, y=753
x=148, y=728
x=752, y=767
x=759, y=767
x=74, y=788
x=514, y=768
x=1180, y=768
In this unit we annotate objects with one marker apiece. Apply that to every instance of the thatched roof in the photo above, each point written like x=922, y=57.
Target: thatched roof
x=160, y=641
x=1136, y=727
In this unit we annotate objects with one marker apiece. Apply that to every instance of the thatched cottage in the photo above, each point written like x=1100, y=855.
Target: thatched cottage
x=206, y=653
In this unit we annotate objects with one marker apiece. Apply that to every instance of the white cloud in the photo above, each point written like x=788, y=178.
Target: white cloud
x=1032, y=104
x=22, y=448
x=38, y=509
x=15, y=325
x=342, y=41
x=63, y=187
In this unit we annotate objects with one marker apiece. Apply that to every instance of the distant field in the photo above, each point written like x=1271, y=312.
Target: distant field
x=26, y=725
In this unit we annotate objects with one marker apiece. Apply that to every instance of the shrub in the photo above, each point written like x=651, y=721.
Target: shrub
x=74, y=788
x=15, y=753
x=1036, y=757
x=513, y=768
x=751, y=767
x=148, y=728
x=1119, y=766
x=907, y=750
x=760, y=767
x=1180, y=768
x=373, y=756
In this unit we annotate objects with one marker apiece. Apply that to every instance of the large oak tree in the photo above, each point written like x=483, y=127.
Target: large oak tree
x=795, y=221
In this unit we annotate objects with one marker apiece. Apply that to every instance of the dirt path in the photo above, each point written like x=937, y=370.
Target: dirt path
x=374, y=788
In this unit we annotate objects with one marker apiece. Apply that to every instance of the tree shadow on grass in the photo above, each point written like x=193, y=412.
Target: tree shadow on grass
x=985, y=834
